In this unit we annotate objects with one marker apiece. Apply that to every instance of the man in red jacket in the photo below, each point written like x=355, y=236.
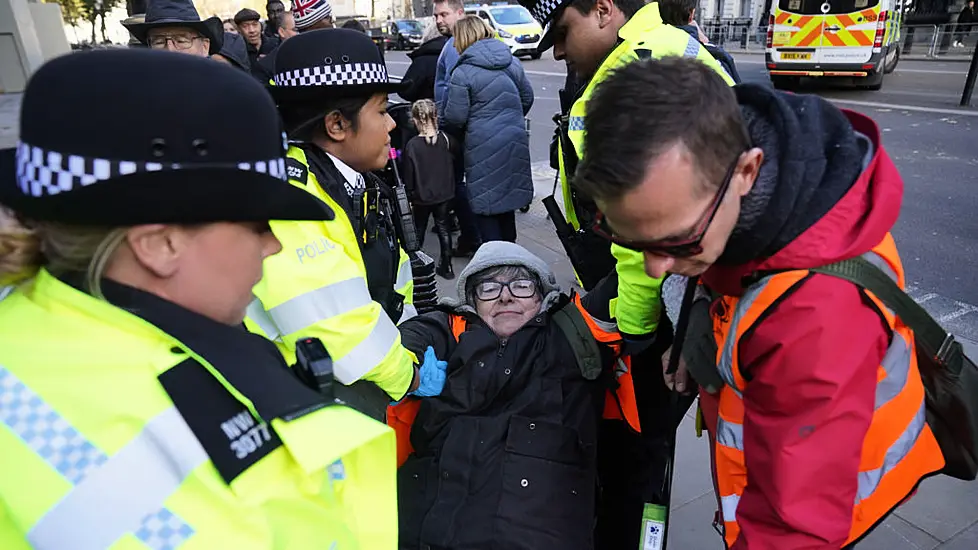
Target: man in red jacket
x=818, y=428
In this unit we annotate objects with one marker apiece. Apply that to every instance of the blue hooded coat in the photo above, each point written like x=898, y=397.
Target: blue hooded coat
x=488, y=96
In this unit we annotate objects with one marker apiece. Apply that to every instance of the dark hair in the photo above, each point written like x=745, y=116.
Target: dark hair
x=628, y=7
x=273, y=2
x=355, y=25
x=676, y=12
x=299, y=112
x=645, y=108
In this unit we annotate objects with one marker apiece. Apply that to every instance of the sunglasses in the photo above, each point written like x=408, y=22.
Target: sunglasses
x=674, y=248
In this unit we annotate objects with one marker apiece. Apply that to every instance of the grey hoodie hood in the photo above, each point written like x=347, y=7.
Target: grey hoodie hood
x=503, y=253
x=487, y=53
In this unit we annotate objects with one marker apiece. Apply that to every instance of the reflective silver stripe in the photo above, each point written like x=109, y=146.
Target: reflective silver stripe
x=6, y=291
x=368, y=353
x=113, y=499
x=409, y=312
x=692, y=47
x=729, y=505
x=870, y=480
x=882, y=264
x=404, y=275
x=325, y=302
x=730, y=345
x=256, y=312
x=730, y=434
x=896, y=363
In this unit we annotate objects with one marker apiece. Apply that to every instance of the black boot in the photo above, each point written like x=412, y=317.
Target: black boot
x=444, y=269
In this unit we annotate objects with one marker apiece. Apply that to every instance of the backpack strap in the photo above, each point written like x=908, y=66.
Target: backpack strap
x=582, y=342
x=937, y=342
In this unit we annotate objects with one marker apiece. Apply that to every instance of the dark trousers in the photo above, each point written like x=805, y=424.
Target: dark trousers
x=423, y=211
x=497, y=227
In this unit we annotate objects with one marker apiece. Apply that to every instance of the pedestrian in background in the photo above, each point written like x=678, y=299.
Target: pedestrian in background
x=429, y=177
x=424, y=62
x=258, y=44
x=175, y=25
x=233, y=52
x=488, y=97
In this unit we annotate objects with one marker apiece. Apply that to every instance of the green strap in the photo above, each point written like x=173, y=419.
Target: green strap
x=582, y=342
x=937, y=342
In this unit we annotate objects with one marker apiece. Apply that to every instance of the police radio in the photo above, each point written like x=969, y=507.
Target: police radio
x=314, y=367
x=409, y=233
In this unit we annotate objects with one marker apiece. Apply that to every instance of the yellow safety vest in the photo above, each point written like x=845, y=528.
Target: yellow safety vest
x=637, y=306
x=95, y=454
x=317, y=288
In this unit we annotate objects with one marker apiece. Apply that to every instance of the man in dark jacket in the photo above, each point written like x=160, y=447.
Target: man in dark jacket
x=421, y=73
x=819, y=428
x=505, y=456
x=681, y=14
x=259, y=45
x=966, y=23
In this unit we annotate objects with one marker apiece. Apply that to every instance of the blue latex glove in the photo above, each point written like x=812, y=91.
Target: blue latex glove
x=432, y=375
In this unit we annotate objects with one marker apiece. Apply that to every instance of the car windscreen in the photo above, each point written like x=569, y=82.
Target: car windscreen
x=517, y=15
x=409, y=25
x=814, y=7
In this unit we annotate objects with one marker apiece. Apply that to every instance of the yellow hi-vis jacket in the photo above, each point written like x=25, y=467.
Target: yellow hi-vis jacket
x=317, y=288
x=96, y=454
x=637, y=306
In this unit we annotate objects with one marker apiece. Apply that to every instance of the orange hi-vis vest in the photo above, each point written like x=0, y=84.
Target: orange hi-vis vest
x=620, y=403
x=899, y=449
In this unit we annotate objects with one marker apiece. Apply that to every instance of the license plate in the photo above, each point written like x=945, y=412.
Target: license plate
x=796, y=56
x=781, y=38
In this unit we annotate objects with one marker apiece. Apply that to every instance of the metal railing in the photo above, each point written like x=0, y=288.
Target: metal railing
x=930, y=41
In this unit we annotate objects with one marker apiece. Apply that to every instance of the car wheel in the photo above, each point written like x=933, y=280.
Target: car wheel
x=890, y=64
x=873, y=82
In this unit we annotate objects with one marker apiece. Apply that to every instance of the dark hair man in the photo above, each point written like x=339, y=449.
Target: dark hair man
x=259, y=45
x=819, y=428
x=594, y=37
x=680, y=14
x=274, y=9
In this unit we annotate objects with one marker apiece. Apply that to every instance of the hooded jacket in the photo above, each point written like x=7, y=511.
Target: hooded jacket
x=421, y=73
x=488, y=96
x=827, y=191
x=506, y=456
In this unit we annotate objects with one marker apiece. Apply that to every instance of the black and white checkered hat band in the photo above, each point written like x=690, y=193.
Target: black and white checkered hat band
x=42, y=172
x=345, y=74
x=545, y=9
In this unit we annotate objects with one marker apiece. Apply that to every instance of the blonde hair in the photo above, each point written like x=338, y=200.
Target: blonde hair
x=469, y=30
x=425, y=117
x=59, y=248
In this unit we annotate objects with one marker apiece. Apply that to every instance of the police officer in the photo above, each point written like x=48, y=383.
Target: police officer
x=134, y=411
x=347, y=281
x=594, y=37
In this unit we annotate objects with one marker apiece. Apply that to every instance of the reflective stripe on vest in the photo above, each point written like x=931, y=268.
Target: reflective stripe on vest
x=317, y=305
x=899, y=448
x=404, y=275
x=111, y=496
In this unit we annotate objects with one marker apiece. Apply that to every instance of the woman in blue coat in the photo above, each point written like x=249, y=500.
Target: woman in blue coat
x=489, y=96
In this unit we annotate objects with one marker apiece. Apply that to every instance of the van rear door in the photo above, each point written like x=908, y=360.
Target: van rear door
x=797, y=31
x=849, y=31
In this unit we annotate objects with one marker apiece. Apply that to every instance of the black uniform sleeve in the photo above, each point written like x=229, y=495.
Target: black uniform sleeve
x=430, y=329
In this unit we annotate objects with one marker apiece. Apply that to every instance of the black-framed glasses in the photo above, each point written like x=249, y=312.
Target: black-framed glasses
x=675, y=248
x=180, y=41
x=519, y=288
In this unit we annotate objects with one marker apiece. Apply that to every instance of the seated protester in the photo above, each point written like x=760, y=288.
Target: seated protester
x=681, y=14
x=506, y=455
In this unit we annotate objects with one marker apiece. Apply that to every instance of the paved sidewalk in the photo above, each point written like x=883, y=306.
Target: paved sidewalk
x=943, y=515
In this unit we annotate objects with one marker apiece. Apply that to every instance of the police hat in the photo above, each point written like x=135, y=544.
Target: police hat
x=216, y=155
x=177, y=13
x=326, y=64
x=545, y=12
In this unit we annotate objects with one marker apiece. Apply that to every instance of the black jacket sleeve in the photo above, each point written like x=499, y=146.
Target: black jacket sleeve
x=430, y=329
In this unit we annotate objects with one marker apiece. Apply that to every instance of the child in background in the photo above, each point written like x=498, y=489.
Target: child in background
x=429, y=178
